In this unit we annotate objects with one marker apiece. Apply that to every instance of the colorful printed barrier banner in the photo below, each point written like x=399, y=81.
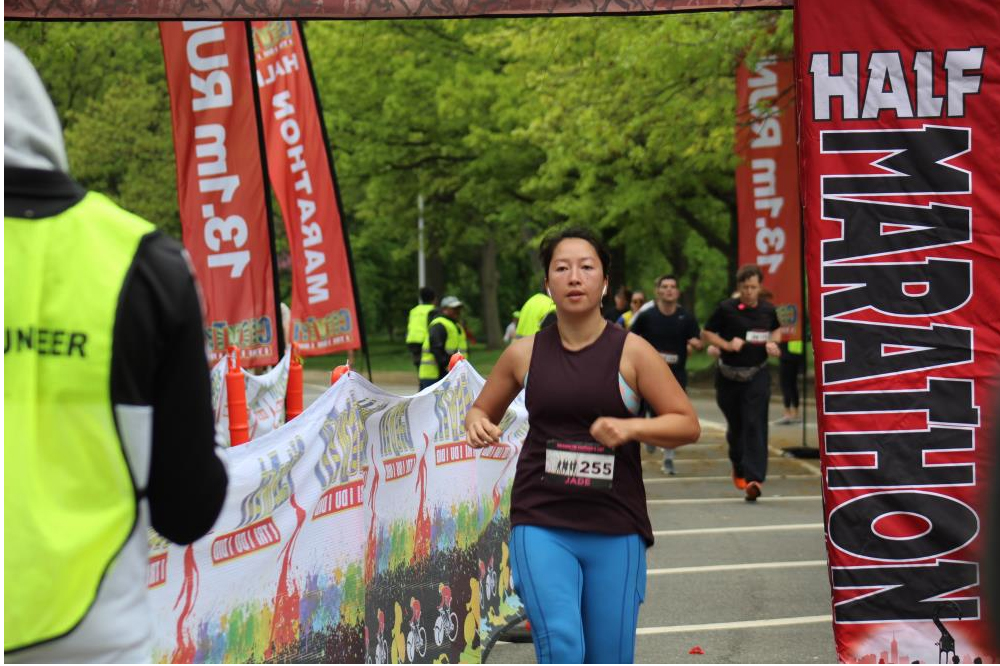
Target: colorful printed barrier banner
x=767, y=185
x=899, y=146
x=265, y=398
x=220, y=185
x=365, y=530
x=324, y=316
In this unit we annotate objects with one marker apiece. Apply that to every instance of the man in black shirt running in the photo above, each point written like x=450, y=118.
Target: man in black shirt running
x=673, y=332
x=746, y=329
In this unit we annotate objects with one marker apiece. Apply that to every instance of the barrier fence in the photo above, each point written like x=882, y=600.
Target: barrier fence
x=365, y=530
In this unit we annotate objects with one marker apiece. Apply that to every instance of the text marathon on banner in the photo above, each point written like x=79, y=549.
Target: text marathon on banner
x=362, y=531
x=220, y=184
x=324, y=317
x=899, y=133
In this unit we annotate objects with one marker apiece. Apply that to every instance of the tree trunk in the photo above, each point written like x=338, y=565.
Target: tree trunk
x=488, y=279
x=435, y=274
x=689, y=297
x=734, y=243
x=682, y=269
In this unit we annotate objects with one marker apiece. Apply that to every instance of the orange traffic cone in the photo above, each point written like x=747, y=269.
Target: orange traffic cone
x=293, y=394
x=339, y=372
x=236, y=391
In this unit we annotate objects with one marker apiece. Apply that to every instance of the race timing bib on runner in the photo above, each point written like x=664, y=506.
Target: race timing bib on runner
x=583, y=464
x=758, y=337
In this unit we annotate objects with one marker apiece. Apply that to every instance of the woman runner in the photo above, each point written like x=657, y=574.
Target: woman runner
x=578, y=508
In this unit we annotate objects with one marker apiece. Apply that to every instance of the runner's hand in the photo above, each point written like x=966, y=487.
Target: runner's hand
x=736, y=344
x=482, y=432
x=611, y=432
x=773, y=349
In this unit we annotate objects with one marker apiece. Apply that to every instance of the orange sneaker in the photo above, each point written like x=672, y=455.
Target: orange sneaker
x=753, y=491
x=739, y=481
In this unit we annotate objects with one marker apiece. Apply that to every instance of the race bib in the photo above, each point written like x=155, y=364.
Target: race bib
x=758, y=337
x=580, y=464
x=670, y=358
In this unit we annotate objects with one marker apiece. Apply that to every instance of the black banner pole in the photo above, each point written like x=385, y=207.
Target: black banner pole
x=340, y=206
x=278, y=324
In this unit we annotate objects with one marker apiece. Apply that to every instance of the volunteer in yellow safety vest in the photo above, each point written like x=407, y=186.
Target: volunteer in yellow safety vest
x=108, y=426
x=536, y=313
x=445, y=336
x=416, y=327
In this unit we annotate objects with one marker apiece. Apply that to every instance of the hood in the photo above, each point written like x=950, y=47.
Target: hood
x=32, y=135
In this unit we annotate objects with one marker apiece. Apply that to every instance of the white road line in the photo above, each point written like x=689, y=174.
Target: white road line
x=737, y=530
x=733, y=500
x=688, y=479
x=724, y=626
x=737, y=567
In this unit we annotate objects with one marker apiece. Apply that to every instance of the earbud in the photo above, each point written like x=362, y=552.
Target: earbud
x=549, y=292
x=605, y=292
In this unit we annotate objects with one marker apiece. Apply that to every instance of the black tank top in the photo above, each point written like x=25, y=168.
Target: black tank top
x=567, y=391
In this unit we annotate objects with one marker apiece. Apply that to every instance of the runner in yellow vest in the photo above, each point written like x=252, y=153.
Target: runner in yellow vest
x=416, y=327
x=445, y=336
x=534, y=313
x=102, y=331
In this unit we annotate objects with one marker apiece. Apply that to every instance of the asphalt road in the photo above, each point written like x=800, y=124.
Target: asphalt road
x=747, y=583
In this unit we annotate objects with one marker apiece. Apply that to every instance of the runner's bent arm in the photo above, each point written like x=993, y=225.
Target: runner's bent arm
x=676, y=422
x=694, y=335
x=713, y=338
x=502, y=386
x=717, y=340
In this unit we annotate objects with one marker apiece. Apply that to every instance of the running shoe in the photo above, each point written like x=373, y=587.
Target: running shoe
x=668, y=467
x=753, y=491
x=739, y=481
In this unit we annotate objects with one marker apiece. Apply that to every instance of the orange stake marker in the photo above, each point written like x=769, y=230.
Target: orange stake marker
x=339, y=372
x=236, y=391
x=293, y=395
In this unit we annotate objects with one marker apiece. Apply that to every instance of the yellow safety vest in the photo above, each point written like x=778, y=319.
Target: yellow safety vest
x=533, y=312
x=69, y=497
x=455, y=342
x=795, y=346
x=416, y=328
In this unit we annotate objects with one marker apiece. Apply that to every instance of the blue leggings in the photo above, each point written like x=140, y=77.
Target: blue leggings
x=582, y=591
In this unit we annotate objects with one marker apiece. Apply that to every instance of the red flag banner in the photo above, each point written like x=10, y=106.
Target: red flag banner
x=220, y=184
x=324, y=316
x=899, y=143
x=767, y=188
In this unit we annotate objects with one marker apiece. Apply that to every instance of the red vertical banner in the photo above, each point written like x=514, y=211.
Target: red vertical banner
x=767, y=187
x=324, y=315
x=220, y=184
x=899, y=137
